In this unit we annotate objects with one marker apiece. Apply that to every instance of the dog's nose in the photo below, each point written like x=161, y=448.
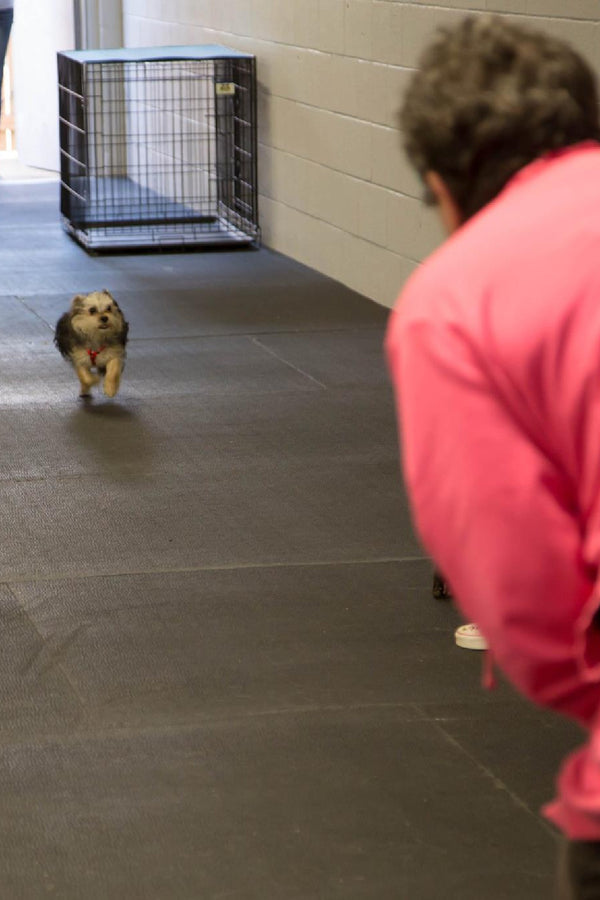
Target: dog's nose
x=104, y=318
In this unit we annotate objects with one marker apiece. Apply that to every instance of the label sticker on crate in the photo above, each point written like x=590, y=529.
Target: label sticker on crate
x=225, y=88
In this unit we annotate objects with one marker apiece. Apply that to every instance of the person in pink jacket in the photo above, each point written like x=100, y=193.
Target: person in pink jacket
x=494, y=353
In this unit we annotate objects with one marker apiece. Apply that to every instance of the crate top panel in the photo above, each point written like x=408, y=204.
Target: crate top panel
x=151, y=54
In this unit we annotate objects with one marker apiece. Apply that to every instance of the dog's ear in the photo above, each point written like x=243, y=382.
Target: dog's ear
x=77, y=303
x=120, y=313
x=63, y=335
x=112, y=300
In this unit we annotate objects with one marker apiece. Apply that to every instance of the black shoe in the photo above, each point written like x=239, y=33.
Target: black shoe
x=440, y=589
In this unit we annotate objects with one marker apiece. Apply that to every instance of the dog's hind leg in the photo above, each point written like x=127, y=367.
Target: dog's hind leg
x=87, y=380
x=112, y=379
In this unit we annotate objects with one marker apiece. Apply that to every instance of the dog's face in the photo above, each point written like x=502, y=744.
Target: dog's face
x=96, y=315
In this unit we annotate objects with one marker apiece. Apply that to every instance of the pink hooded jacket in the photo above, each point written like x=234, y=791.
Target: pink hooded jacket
x=494, y=352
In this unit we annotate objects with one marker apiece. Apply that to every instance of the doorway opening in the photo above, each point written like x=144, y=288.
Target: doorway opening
x=29, y=128
x=7, y=120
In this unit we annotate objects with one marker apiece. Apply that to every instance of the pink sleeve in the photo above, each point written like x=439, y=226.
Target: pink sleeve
x=495, y=513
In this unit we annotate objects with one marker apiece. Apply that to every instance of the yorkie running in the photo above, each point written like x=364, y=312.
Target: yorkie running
x=93, y=335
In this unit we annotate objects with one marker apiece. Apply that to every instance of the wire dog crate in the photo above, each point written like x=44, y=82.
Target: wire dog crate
x=158, y=147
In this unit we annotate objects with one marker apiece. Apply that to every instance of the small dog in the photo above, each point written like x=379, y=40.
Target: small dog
x=93, y=334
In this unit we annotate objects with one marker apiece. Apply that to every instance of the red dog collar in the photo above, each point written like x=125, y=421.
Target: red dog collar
x=94, y=353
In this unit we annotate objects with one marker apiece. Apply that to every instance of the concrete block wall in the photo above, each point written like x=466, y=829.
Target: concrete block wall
x=335, y=190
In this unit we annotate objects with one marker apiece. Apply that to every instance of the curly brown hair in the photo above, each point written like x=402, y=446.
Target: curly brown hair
x=490, y=97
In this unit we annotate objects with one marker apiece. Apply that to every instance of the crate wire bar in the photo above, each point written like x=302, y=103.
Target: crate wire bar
x=158, y=147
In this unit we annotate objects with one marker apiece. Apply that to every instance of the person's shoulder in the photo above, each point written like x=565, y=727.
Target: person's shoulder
x=434, y=282
x=422, y=304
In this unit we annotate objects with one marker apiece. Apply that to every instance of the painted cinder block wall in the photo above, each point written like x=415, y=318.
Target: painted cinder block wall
x=335, y=190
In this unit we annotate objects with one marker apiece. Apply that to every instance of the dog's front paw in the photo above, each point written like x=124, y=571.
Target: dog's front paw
x=87, y=380
x=110, y=387
x=112, y=379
